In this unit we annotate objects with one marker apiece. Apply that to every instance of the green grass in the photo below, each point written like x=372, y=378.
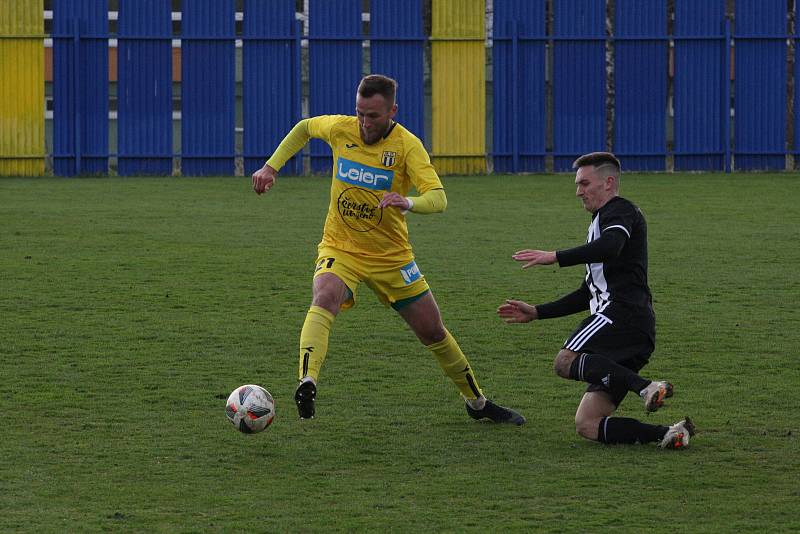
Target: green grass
x=130, y=308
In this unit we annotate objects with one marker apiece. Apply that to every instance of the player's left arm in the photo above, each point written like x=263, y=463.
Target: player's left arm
x=616, y=226
x=433, y=201
x=431, y=197
x=603, y=249
x=608, y=246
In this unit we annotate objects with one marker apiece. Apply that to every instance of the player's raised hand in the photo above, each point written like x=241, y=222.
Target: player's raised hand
x=516, y=311
x=264, y=179
x=534, y=257
x=395, y=200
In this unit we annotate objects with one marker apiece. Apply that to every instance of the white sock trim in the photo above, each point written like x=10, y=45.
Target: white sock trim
x=476, y=404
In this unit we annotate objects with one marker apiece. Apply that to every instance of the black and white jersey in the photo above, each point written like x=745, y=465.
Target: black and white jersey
x=622, y=279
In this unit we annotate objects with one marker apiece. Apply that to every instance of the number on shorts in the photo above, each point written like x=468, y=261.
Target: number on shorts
x=321, y=263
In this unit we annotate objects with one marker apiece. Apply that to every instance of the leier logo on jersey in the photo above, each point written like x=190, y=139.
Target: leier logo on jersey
x=362, y=175
x=388, y=158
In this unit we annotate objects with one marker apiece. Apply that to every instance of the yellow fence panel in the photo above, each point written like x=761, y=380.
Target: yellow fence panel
x=458, y=71
x=21, y=87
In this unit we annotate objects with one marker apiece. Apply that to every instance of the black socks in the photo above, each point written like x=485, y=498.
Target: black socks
x=627, y=430
x=597, y=369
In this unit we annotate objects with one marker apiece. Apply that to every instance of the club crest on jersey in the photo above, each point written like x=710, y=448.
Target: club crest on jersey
x=362, y=175
x=410, y=272
x=388, y=158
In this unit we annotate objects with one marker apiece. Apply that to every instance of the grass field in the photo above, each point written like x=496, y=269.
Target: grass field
x=130, y=308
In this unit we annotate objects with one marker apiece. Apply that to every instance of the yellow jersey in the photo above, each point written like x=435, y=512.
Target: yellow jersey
x=362, y=174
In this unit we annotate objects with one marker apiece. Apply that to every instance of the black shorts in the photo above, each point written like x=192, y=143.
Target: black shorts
x=615, y=336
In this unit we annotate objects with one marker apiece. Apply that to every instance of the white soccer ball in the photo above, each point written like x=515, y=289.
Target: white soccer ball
x=250, y=409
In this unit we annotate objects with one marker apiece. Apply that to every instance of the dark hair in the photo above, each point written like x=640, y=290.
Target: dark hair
x=598, y=159
x=378, y=84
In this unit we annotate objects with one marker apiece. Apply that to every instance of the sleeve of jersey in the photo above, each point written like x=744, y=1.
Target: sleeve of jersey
x=605, y=248
x=432, y=198
x=571, y=303
x=296, y=139
x=433, y=201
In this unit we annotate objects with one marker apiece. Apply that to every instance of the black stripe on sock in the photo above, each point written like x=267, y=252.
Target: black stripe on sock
x=472, y=386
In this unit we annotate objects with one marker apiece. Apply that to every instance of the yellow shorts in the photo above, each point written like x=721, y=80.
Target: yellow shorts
x=395, y=284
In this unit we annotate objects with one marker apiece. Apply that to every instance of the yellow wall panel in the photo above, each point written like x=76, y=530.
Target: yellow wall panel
x=21, y=87
x=458, y=70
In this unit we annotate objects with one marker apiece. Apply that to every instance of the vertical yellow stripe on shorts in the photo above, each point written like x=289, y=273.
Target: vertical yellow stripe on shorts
x=458, y=70
x=21, y=87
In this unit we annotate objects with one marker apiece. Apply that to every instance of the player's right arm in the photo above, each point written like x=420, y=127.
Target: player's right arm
x=295, y=140
x=517, y=311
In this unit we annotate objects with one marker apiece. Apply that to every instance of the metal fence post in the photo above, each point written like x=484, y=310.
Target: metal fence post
x=76, y=91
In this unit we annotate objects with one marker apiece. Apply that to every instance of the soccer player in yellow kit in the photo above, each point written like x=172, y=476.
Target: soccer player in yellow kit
x=375, y=163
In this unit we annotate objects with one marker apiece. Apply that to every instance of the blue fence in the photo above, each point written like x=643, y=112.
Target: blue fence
x=673, y=82
x=519, y=71
x=80, y=117
x=144, y=87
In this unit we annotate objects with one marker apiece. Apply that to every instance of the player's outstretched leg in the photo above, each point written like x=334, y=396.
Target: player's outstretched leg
x=494, y=412
x=677, y=437
x=654, y=394
x=455, y=365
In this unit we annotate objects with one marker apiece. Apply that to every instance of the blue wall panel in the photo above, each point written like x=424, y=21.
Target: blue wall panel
x=700, y=99
x=579, y=80
x=271, y=80
x=760, y=84
x=207, y=95
x=519, y=114
x=334, y=65
x=797, y=93
x=640, y=130
x=80, y=87
x=401, y=59
x=144, y=90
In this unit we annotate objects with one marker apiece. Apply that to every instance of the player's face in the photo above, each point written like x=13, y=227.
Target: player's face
x=592, y=188
x=374, y=117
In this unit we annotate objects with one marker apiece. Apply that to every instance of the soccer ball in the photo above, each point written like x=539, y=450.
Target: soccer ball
x=250, y=409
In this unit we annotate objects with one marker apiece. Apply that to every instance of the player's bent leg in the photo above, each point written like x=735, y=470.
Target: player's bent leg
x=594, y=407
x=599, y=370
x=594, y=421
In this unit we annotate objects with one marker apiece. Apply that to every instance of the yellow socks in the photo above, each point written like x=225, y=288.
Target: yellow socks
x=314, y=341
x=455, y=365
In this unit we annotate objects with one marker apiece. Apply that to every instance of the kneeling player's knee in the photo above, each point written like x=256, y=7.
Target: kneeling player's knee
x=563, y=362
x=586, y=427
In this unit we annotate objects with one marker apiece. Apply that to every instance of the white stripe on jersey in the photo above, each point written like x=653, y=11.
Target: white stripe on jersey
x=585, y=334
x=620, y=227
x=595, y=279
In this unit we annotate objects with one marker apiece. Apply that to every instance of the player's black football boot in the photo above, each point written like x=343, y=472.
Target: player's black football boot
x=496, y=413
x=304, y=397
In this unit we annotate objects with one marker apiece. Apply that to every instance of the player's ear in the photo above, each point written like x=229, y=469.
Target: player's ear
x=393, y=111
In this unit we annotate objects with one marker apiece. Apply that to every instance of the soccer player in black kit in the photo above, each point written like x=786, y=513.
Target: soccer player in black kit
x=615, y=341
